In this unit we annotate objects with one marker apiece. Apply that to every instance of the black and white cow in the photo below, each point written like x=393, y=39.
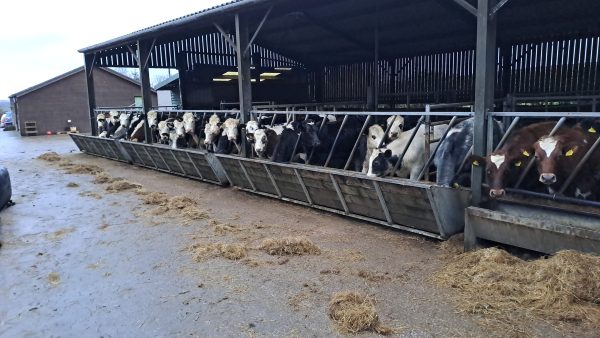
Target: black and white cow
x=454, y=149
x=384, y=159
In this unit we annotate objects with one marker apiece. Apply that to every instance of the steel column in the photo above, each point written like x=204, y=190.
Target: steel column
x=485, y=70
x=89, y=60
x=144, y=48
x=244, y=76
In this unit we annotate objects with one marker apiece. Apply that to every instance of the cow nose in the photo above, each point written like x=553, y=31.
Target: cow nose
x=496, y=193
x=547, y=178
x=394, y=135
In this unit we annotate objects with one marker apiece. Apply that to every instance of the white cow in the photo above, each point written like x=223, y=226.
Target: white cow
x=397, y=123
x=374, y=137
x=212, y=131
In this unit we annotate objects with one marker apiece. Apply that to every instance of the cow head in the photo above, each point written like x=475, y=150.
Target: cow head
x=152, y=117
x=397, y=125
x=230, y=129
x=101, y=120
x=261, y=139
x=499, y=166
x=380, y=163
x=375, y=136
x=189, y=123
x=211, y=133
x=179, y=128
x=251, y=127
x=163, y=130
x=552, y=152
x=310, y=133
x=113, y=116
x=124, y=119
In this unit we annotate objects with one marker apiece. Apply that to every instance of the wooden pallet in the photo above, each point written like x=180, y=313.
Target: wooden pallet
x=31, y=128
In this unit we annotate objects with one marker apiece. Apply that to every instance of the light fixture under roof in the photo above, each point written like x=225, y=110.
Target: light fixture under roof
x=230, y=74
x=283, y=68
x=268, y=74
x=221, y=80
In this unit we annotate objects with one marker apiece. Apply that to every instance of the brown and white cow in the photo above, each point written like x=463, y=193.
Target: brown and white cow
x=504, y=166
x=558, y=155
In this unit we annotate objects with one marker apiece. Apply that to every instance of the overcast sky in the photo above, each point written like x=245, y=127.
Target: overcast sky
x=39, y=39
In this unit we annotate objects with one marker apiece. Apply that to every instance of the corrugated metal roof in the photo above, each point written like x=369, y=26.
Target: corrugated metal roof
x=66, y=75
x=174, y=23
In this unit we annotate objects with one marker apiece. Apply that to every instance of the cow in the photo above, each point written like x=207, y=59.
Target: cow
x=374, y=137
x=112, y=124
x=134, y=119
x=212, y=131
x=504, y=166
x=152, y=117
x=121, y=131
x=177, y=135
x=164, y=130
x=346, y=140
x=396, y=124
x=383, y=160
x=558, y=155
x=454, y=149
x=139, y=134
x=265, y=141
x=190, y=130
x=304, y=134
x=101, y=124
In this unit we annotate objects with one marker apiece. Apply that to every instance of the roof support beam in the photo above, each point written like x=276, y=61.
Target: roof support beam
x=467, y=6
x=225, y=35
x=135, y=54
x=144, y=48
x=485, y=76
x=328, y=28
x=262, y=22
x=149, y=53
x=498, y=6
x=244, y=76
x=89, y=60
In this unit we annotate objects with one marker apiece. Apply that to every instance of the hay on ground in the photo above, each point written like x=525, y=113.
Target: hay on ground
x=54, y=278
x=50, y=157
x=90, y=194
x=290, y=246
x=142, y=192
x=230, y=251
x=122, y=186
x=160, y=210
x=103, y=177
x=353, y=312
x=374, y=276
x=84, y=169
x=180, y=202
x=72, y=185
x=491, y=282
x=59, y=234
x=65, y=164
x=454, y=246
x=192, y=213
x=225, y=228
x=155, y=198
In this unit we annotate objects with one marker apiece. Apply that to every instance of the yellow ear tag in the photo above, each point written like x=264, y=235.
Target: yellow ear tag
x=570, y=153
x=592, y=130
x=518, y=164
x=526, y=153
x=456, y=185
x=476, y=163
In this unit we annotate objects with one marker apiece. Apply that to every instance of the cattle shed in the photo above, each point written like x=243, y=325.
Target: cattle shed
x=49, y=105
x=430, y=61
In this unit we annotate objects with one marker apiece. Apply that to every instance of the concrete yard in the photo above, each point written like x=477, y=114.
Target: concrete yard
x=83, y=262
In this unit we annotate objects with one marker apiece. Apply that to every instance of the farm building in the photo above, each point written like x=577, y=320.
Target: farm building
x=430, y=63
x=48, y=106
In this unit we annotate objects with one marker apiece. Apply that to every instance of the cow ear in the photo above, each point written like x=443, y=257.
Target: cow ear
x=387, y=153
x=477, y=160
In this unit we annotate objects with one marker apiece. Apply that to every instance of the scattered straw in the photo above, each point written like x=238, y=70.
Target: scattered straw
x=103, y=177
x=180, y=202
x=142, y=192
x=103, y=226
x=84, y=169
x=50, y=157
x=54, y=278
x=374, y=276
x=353, y=312
x=59, y=234
x=230, y=251
x=90, y=194
x=454, y=246
x=65, y=164
x=225, y=228
x=491, y=282
x=161, y=210
x=290, y=246
x=122, y=186
x=72, y=185
x=155, y=198
x=193, y=213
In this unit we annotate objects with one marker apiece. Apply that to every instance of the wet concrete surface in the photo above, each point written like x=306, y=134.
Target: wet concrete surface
x=76, y=266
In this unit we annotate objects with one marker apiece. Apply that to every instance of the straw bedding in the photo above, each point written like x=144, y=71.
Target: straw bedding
x=353, y=312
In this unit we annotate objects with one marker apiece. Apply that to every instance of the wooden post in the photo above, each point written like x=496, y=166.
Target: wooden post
x=244, y=76
x=89, y=60
x=485, y=74
x=144, y=48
